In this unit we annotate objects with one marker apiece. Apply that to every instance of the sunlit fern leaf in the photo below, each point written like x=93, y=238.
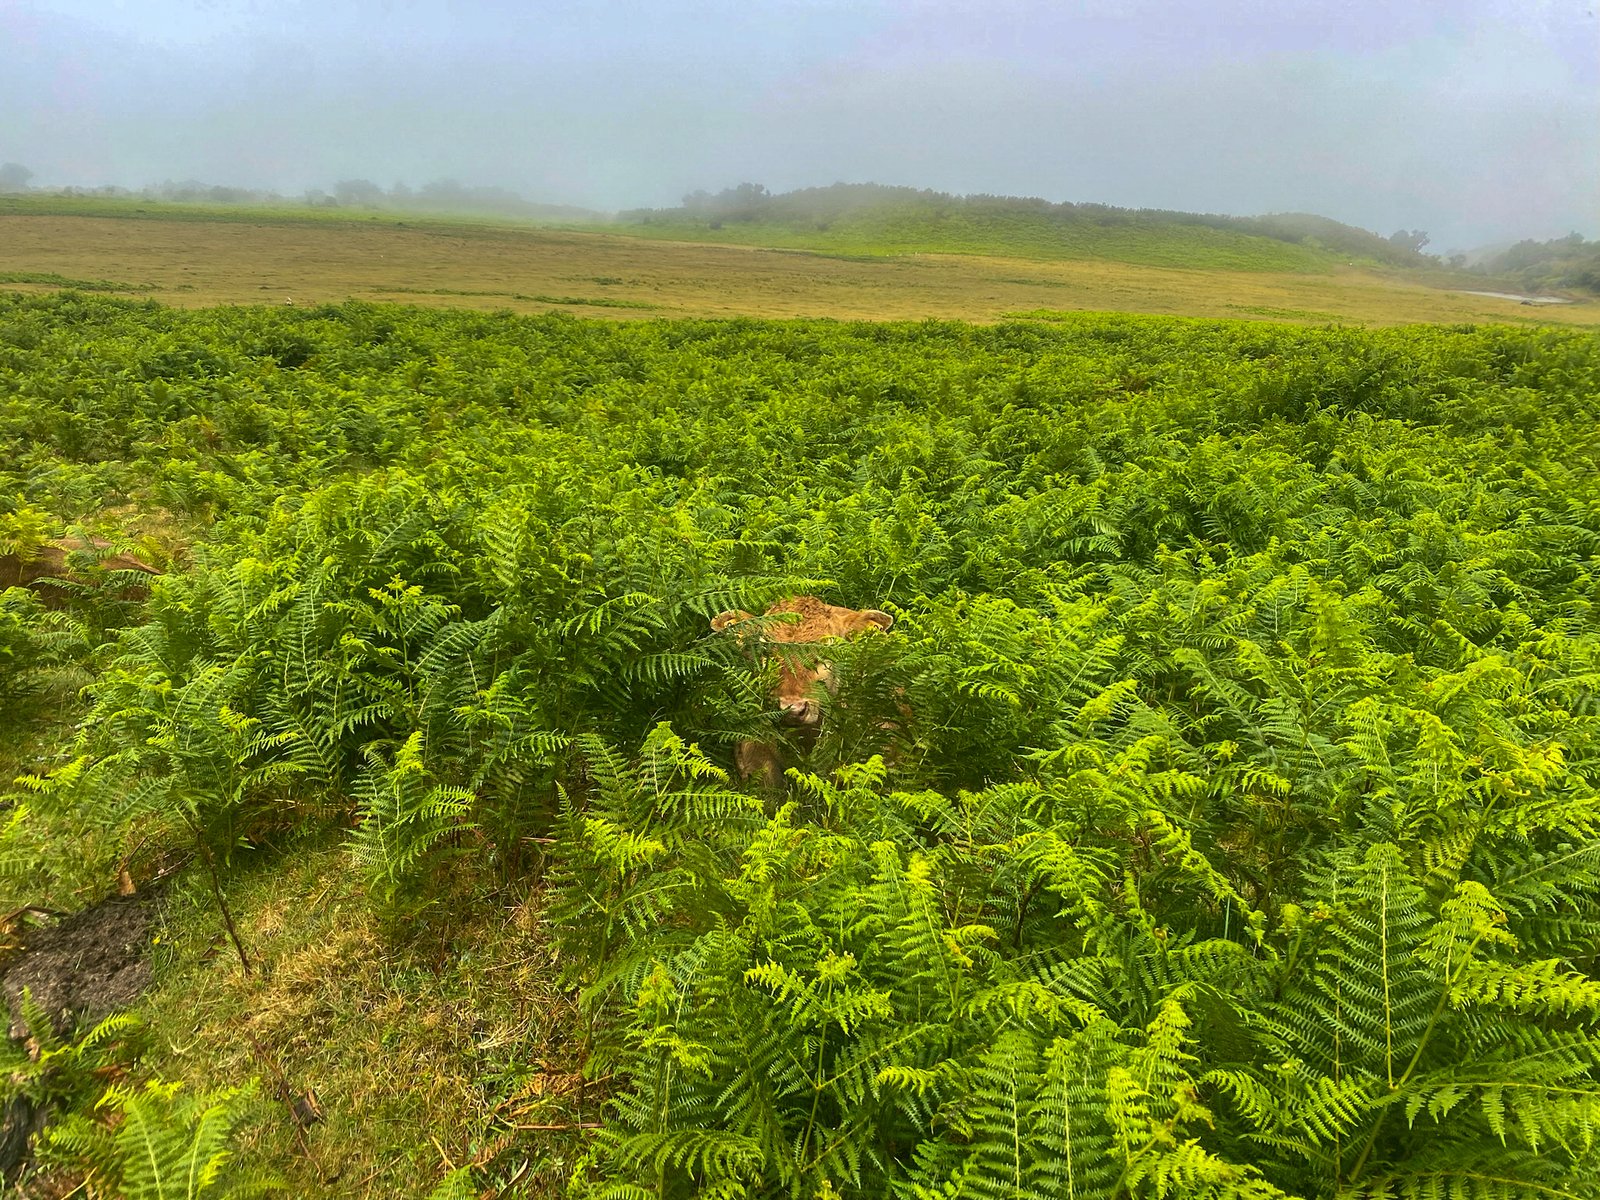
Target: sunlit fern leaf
x=404, y=816
x=456, y=1185
x=164, y=1144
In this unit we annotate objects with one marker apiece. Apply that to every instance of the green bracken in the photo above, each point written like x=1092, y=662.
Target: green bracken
x=1217, y=820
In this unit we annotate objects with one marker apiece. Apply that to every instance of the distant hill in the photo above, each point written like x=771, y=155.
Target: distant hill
x=1561, y=263
x=441, y=198
x=873, y=219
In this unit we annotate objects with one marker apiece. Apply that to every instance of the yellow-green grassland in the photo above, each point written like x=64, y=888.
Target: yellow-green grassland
x=199, y=257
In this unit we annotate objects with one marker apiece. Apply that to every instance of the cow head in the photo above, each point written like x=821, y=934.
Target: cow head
x=73, y=559
x=794, y=628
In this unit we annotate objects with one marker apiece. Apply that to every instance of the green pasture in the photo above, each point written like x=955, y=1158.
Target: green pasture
x=1007, y=234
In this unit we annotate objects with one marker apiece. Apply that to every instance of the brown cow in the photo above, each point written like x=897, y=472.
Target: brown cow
x=799, y=621
x=53, y=561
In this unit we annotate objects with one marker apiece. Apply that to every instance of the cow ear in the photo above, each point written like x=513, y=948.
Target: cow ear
x=878, y=617
x=723, y=619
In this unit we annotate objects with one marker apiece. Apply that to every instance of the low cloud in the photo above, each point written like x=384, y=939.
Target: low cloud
x=1478, y=120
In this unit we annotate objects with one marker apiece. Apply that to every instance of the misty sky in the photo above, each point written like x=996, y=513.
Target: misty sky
x=1478, y=120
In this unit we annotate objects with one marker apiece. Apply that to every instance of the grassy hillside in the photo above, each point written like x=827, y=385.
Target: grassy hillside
x=282, y=212
x=871, y=219
x=1218, y=819
x=919, y=230
x=450, y=203
x=875, y=230
x=201, y=257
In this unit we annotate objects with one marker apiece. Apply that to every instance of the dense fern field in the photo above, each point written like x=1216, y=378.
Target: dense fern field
x=1217, y=820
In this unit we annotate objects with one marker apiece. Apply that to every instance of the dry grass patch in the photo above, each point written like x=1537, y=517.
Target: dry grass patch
x=444, y=1044
x=195, y=261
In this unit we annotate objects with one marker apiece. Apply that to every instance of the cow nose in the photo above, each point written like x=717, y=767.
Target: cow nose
x=802, y=712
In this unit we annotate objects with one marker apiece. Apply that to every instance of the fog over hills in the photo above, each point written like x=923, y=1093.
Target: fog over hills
x=1476, y=120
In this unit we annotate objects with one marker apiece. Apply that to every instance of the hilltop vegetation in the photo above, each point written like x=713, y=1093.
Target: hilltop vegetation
x=873, y=219
x=1568, y=262
x=1218, y=819
x=439, y=197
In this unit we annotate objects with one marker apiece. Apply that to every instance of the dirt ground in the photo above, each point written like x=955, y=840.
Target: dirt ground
x=199, y=262
x=84, y=967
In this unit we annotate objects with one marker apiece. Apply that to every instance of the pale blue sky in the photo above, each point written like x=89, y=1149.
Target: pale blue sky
x=1478, y=120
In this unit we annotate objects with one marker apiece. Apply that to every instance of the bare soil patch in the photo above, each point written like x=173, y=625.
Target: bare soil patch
x=85, y=966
